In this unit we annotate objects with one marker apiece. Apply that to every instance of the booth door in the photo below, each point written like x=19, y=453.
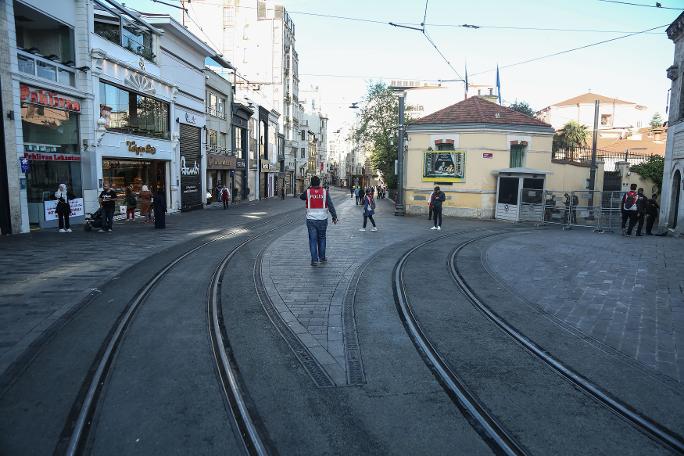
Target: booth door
x=507, y=199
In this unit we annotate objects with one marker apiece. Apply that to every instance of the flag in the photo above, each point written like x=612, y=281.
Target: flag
x=498, y=83
x=466, y=80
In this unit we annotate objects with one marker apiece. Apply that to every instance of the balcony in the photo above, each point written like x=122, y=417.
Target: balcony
x=45, y=68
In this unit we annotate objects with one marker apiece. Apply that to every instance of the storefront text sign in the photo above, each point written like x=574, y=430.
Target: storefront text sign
x=139, y=150
x=47, y=98
x=487, y=155
x=189, y=170
x=51, y=157
x=190, y=118
x=24, y=164
x=75, y=204
x=240, y=163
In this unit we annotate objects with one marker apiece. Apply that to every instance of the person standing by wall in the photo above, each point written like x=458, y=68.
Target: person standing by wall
x=439, y=198
x=368, y=210
x=652, y=213
x=63, y=209
x=642, y=206
x=318, y=205
x=107, y=201
x=159, y=208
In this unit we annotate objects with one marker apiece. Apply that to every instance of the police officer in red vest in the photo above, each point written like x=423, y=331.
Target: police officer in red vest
x=318, y=205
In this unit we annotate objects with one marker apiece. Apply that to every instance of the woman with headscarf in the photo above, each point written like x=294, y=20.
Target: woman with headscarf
x=146, y=203
x=63, y=209
x=159, y=209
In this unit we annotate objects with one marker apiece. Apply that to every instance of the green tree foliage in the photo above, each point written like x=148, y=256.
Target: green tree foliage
x=377, y=128
x=656, y=121
x=651, y=169
x=522, y=107
x=571, y=136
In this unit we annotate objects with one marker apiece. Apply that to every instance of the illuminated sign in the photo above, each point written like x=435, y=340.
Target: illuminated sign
x=49, y=99
x=139, y=150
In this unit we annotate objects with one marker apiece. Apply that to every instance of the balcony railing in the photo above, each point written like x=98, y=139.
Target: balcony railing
x=44, y=68
x=212, y=111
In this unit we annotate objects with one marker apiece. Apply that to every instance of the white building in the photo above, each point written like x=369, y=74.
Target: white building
x=616, y=117
x=671, y=210
x=258, y=37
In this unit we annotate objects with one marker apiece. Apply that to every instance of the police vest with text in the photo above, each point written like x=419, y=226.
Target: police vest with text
x=316, y=203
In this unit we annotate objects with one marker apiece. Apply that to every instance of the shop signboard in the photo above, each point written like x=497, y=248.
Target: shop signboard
x=24, y=164
x=240, y=163
x=190, y=159
x=75, y=204
x=444, y=166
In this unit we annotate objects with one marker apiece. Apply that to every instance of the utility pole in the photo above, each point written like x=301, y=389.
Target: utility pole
x=592, y=170
x=399, y=208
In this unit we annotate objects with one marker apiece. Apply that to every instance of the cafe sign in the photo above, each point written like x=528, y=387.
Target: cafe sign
x=139, y=150
x=50, y=99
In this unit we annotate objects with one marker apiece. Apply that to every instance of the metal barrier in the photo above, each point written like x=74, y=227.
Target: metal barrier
x=600, y=211
x=531, y=205
x=585, y=209
x=555, y=211
x=611, y=211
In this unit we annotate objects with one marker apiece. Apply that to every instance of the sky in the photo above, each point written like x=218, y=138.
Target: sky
x=342, y=57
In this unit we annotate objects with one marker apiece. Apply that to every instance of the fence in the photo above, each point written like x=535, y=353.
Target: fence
x=609, y=158
x=600, y=211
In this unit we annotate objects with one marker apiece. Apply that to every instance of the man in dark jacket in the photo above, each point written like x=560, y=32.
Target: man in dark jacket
x=641, y=203
x=438, y=198
x=651, y=213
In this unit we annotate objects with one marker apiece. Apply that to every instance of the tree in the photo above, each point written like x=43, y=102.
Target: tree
x=652, y=168
x=523, y=107
x=376, y=129
x=572, y=136
x=656, y=121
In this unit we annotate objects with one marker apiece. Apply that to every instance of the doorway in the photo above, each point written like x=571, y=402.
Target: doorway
x=674, y=202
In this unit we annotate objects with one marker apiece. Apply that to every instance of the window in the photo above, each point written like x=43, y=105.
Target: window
x=222, y=142
x=216, y=106
x=303, y=133
x=212, y=140
x=130, y=112
x=517, y=156
x=607, y=120
x=237, y=138
x=48, y=126
x=303, y=152
x=508, y=190
x=123, y=30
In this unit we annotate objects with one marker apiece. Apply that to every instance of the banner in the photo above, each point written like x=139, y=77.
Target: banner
x=444, y=166
x=76, y=206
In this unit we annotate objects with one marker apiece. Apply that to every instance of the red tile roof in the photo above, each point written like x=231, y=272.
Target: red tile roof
x=589, y=98
x=477, y=110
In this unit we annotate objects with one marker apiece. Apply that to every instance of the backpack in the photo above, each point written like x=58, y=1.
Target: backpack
x=630, y=201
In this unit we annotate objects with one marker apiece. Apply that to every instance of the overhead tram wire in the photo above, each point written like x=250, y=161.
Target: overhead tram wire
x=567, y=51
x=658, y=5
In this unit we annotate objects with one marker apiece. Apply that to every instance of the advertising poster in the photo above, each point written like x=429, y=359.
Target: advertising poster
x=444, y=166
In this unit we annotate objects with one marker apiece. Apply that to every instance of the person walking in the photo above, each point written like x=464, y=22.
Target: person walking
x=439, y=198
x=430, y=203
x=159, y=209
x=146, y=203
x=351, y=191
x=131, y=204
x=628, y=207
x=651, y=213
x=357, y=194
x=318, y=205
x=63, y=209
x=282, y=190
x=368, y=210
x=107, y=201
x=642, y=206
x=225, y=197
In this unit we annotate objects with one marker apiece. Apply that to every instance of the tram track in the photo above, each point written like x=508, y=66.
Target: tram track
x=491, y=428
x=76, y=432
x=643, y=423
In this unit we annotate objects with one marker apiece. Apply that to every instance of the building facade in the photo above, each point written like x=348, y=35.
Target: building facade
x=221, y=154
x=671, y=204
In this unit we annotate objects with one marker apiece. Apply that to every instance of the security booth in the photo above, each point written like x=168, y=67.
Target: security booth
x=520, y=194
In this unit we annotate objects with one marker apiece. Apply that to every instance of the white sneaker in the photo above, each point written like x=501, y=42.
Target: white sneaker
x=61, y=230
x=439, y=228
x=100, y=230
x=433, y=228
x=374, y=229
x=109, y=230
x=68, y=230
x=362, y=229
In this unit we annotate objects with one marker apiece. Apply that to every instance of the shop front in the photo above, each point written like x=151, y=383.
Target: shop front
x=190, y=165
x=50, y=128
x=268, y=179
x=221, y=171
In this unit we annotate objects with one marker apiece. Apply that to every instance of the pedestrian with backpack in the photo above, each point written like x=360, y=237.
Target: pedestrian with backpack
x=437, y=200
x=629, y=209
x=368, y=210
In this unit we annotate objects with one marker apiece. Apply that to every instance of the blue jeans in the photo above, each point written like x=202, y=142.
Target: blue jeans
x=317, y=238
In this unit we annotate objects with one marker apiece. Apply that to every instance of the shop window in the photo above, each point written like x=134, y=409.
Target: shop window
x=130, y=112
x=121, y=173
x=44, y=178
x=517, y=156
x=49, y=130
x=122, y=29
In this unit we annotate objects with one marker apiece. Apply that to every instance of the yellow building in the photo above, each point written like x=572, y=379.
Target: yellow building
x=466, y=148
